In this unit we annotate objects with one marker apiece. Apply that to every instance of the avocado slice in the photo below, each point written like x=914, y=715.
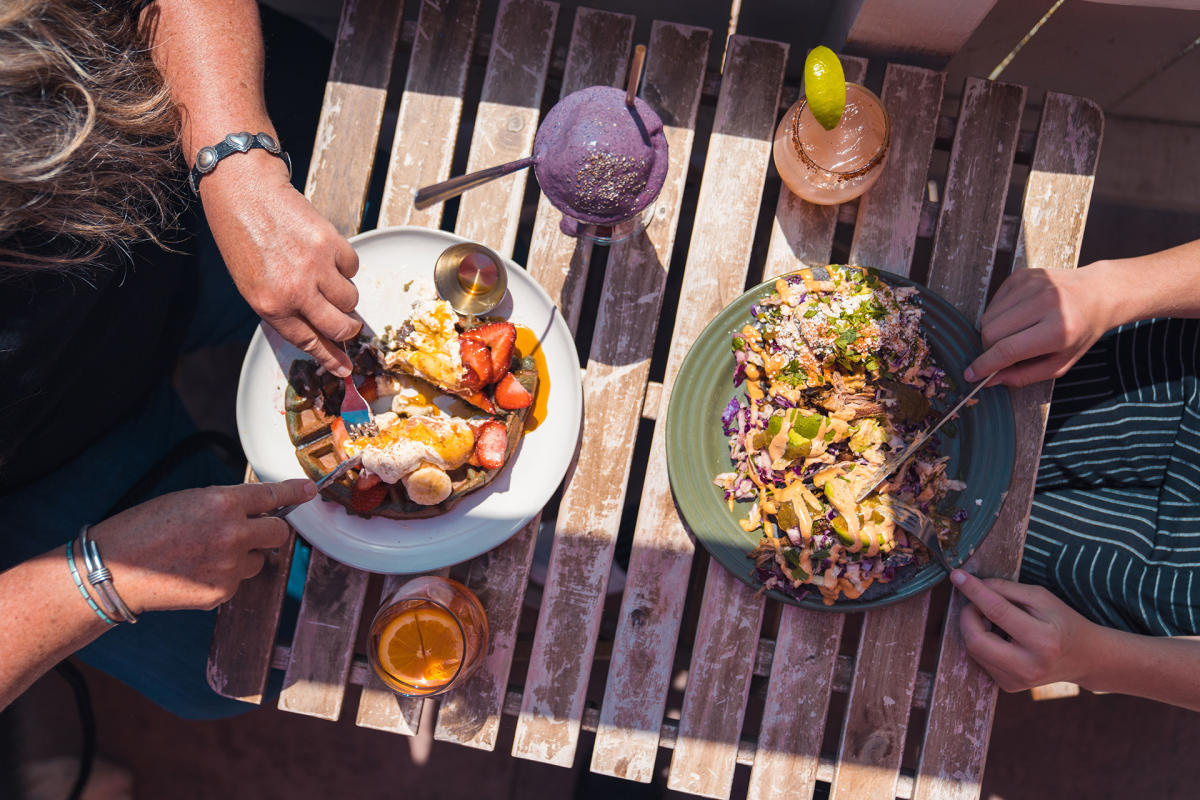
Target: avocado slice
x=843, y=531
x=786, y=516
x=797, y=446
x=841, y=497
x=806, y=425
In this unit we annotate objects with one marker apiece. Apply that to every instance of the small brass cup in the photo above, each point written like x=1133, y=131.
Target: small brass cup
x=471, y=278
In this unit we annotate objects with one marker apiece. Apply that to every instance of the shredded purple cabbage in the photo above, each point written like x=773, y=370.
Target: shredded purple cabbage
x=729, y=414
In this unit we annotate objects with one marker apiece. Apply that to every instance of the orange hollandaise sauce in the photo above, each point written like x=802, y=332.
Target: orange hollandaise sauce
x=528, y=345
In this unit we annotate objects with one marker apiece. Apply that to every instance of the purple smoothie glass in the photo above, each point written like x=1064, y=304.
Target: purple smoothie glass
x=601, y=162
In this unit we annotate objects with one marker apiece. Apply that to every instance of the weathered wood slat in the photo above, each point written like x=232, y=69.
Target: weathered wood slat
x=348, y=129
x=626, y=742
x=872, y=741
x=1057, y=194
x=714, y=706
x=787, y=756
x=507, y=119
x=347, y=132
x=378, y=706
x=964, y=250
x=802, y=232
x=239, y=658
x=913, y=97
x=598, y=56
x=427, y=124
x=619, y=363
x=315, y=681
x=731, y=190
x=470, y=715
x=981, y=160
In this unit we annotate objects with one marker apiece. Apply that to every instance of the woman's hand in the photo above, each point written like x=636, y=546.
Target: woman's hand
x=191, y=549
x=1041, y=321
x=1048, y=640
x=288, y=261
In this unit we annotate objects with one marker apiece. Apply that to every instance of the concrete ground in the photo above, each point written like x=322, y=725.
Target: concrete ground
x=1087, y=747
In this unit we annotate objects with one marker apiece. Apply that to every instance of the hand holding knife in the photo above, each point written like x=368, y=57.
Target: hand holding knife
x=894, y=463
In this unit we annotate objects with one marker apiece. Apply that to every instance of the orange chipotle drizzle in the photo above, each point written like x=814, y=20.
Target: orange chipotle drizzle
x=528, y=345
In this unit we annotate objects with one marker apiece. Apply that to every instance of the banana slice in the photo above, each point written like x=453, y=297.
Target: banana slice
x=427, y=485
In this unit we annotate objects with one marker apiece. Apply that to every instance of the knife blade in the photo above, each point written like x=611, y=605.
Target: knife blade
x=894, y=463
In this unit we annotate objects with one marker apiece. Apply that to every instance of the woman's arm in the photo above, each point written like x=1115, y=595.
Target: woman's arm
x=42, y=620
x=1041, y=321
x=188, y=549
x=1048, y=642
x=288, y=261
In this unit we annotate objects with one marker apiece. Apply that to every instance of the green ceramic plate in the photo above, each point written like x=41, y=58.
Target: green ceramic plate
x=981, y=450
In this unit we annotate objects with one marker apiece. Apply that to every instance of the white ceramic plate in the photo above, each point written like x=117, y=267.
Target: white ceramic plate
x=388, y=260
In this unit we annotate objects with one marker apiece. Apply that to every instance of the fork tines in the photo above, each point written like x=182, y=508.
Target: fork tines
x=366, y=429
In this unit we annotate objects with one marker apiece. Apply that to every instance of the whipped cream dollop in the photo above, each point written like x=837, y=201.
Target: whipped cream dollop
x=406, y=445
x=397, y=459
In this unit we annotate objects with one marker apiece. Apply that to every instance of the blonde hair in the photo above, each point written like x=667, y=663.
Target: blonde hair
x=88, y=135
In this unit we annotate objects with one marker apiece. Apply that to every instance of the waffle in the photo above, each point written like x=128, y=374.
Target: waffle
x=312, y=404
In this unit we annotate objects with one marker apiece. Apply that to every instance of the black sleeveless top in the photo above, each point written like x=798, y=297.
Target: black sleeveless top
x=77, y=354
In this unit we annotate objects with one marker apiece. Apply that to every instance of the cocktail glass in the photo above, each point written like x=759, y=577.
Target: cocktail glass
x=428, y=637
x=827, y=167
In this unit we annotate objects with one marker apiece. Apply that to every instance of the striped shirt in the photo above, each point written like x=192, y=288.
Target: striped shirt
x=1115, y=525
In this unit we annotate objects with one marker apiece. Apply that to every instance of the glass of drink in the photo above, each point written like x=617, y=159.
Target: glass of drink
x=428, y=637
x=827, y=167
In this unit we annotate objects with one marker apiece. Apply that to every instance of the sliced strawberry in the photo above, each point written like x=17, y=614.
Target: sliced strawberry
x=480, y=400
x=511, y=395
x=477, y=363
x=501, y=338
x=340, y=437
x=367, y=500
x=490, y=444
x=367, y=480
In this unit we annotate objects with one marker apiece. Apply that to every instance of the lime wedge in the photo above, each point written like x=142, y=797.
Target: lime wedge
x=825, y=86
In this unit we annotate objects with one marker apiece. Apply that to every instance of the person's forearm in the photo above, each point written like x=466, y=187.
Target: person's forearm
x=210, y=53
x=1162, y=284
x=43, y=619
x=1155, y=667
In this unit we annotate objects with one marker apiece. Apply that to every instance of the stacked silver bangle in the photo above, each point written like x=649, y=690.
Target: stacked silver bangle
x=101, y=579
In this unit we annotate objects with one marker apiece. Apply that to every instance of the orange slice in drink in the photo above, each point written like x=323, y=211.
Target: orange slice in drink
x=422, y=646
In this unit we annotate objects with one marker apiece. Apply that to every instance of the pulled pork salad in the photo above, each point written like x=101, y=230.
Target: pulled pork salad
x=838, y=376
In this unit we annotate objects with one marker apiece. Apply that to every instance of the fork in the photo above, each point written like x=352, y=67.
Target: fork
x=356, y=414
x=919, y=525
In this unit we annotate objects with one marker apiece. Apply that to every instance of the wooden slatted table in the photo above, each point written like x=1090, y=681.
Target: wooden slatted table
x=879, y=705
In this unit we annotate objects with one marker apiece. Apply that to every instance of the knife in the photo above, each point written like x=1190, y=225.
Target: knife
x=333, y=474
x=894, y=463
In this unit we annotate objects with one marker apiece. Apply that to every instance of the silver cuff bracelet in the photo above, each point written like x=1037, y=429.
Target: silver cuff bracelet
x=207, y=158
x=99, y=577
